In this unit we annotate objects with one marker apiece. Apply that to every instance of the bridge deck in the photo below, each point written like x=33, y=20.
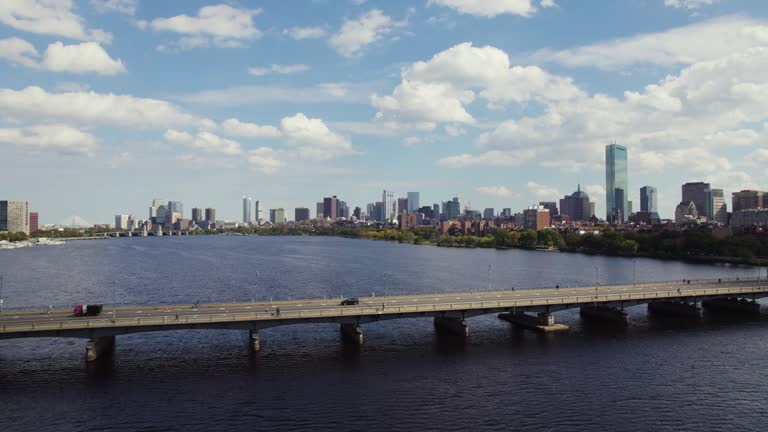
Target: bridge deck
x=270, y=314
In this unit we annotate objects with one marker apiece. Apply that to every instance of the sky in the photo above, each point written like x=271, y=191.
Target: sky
x=108, y=104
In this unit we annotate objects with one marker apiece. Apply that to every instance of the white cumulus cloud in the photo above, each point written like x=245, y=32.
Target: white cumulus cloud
x=49, y=17
x=205, y=141
x=497, y=191
x=300, y=33
x=314, y=140
x=278, y=69
x=490, y=8
x=265, y=160
x=59, y=137
x=96, y=109
x=85, y=57
x=219, y=25
x=689, y=4
x=127, y=7
x=355, y=35
x=235, y=127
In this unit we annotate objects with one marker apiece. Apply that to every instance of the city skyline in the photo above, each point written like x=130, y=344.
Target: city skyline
x=451, y=98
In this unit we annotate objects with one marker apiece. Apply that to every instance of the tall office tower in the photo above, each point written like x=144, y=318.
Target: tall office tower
x=370, y=210
x=489, y=213
x=436, y=211
x=390, y=205
x=34, y=222
x=319, y=211
x=616, y=183
x=719, y=207
x=648, y=199
x=506, y=212
x=259, y=211
x=247, y=203
x=121, y=222
x=413, y=202
x=156, y=204
x=551, y=206
x=300, y=214
x=748, y=200
x=197, y=214
x=330, y=208
x=176, y=207
x=14, y=216
x=342, y=209
x=402, y=205
x=357, y=213
x=700, y=194
x=378, y=210
x=452, y=208
x=210, y=215
x=277, y=216
x=576, y=205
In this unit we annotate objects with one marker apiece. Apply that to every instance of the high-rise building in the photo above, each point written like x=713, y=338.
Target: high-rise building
x=719, y=207
x=197, y=215
x=551, y=206
x=176, y=207
x=14, y=216
x=370, y=210
x=402, y=205
x=210, y=215
x=330, y=208
x=436, y=211
x=358, y=213
x=300, y=214
x=616, y=183
x=121, y=222
x=413, y=202
x=648, y=199
x=34, y=222
x=700, y=194
x=506, y=212
x=390, y=206
x=277, y=216
x=748, y=200
x=247, y=204
x=536, y=218
x=378, y=210
x=576, y=205
x=319, y=211
x=686, y=212
x=342, y=209
x=452, y=208
x=259, y=211
x=489, y=213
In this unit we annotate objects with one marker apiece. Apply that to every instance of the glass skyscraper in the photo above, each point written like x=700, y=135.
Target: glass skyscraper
x=616, y=187
x=648, y=200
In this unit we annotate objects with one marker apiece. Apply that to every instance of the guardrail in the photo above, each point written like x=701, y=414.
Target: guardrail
x=337, y=312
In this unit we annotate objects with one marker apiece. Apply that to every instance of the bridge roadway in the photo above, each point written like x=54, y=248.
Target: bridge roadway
x=449, y=310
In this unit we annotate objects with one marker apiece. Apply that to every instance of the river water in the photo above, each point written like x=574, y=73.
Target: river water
x=654, y=375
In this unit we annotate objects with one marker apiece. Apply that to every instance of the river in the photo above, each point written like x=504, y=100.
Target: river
x=654, y=375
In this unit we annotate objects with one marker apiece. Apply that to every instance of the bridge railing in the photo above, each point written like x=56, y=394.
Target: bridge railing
x=344, y=311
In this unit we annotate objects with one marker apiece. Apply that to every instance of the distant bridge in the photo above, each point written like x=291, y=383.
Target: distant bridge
x=529, y=308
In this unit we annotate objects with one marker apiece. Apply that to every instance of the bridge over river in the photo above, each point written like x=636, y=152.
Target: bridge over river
x=530, y=308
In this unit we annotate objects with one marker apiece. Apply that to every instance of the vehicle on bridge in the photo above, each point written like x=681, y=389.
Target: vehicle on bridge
x=87, y=310
x=350, y=301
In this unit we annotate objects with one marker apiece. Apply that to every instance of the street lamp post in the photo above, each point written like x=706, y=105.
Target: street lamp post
x=114, y=302
x=256, y=288
x=633, y=272
x=597, y=280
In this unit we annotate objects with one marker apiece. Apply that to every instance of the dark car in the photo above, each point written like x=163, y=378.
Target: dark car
x=350, y=301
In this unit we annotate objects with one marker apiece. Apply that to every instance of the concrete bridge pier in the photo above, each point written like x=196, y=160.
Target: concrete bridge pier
x=604, y=313
x=543, y=322
x=732, y=305
x=675, y=308
x=453, y=326
x=352, y=334
x=98, y=347
x=253, y=340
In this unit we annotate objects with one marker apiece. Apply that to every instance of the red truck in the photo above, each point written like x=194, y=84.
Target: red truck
x=87, y=310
